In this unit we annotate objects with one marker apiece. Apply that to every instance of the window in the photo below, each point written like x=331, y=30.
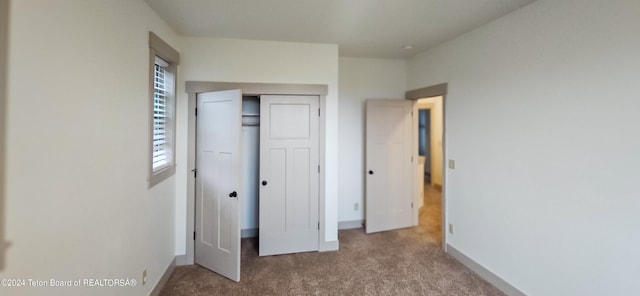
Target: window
x=161, y=116
x=163, y=62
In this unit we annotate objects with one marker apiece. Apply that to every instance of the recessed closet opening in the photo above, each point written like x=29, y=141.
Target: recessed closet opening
x=257, y=152
x=250, y=155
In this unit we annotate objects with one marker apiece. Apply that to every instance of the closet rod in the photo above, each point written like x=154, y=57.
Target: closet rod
x=250, y=115
x=250, y=124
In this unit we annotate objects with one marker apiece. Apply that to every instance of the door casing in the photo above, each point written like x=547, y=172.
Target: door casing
x=193, y=88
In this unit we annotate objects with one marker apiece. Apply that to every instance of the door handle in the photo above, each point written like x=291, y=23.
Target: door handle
x=264, y=183
x=233, y=194
x=370, y=172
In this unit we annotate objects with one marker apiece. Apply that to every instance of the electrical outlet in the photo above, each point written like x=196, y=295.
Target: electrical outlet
x=144, y=276
x=356, y=206
x=451, y=228
x=452, y=164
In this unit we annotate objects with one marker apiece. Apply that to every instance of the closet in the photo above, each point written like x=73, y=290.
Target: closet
x=257, y=159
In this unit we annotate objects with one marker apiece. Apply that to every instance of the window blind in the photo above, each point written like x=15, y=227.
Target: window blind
x=161, y=93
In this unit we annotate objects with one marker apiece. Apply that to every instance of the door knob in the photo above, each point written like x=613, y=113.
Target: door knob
x=370, y=172
x=264, y=183
x=233, y=194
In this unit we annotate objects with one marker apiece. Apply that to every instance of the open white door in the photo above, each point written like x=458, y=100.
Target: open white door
x=289, y=172
x=389, y=169
x=217, y=237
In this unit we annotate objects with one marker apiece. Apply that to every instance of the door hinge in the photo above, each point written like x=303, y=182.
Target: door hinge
x=412, y=205
x=194, y=235
x=196, y=111
x=318, y=168
x=318, y=111
x=411, y=158
x=195, y=173
x=318, y=225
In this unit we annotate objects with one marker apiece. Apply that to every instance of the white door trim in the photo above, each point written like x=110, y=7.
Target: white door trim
x=195, y=87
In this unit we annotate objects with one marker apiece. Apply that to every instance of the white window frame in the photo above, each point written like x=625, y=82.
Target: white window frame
x=163, y=54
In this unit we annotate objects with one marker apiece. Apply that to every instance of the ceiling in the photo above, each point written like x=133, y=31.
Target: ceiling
x=361, y=28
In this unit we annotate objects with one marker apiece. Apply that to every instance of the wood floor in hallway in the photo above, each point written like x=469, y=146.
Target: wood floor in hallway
x=431, y=213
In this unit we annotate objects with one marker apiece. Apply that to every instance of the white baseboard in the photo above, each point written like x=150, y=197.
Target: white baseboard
x=250, y=232
x=350, y=224
x=484, y=273
x=181, y=260
x=163, y=279
x=329, y=246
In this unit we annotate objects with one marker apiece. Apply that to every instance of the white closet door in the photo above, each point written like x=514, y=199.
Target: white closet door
x=289, y=165
x=388, y=163
x=217, y=243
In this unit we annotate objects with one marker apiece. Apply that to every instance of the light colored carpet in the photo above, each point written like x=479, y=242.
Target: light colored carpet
x=401, y=262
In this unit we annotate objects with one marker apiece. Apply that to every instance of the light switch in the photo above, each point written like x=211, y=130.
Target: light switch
x=452, y=164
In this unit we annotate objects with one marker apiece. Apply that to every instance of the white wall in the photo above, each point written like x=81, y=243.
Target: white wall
x=534, y=198
x=206, y=59
x=78, y=147
x=361, y=79
x=4, y=26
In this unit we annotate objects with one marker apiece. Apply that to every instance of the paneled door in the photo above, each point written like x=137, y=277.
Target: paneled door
x=217, y=237
x=389, y=169
x=289, y=174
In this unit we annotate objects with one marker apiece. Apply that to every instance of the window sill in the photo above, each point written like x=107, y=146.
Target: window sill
x=161, y=175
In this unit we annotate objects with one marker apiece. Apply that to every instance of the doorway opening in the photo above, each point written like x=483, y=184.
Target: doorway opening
x=430, y=183
x=429, y=168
